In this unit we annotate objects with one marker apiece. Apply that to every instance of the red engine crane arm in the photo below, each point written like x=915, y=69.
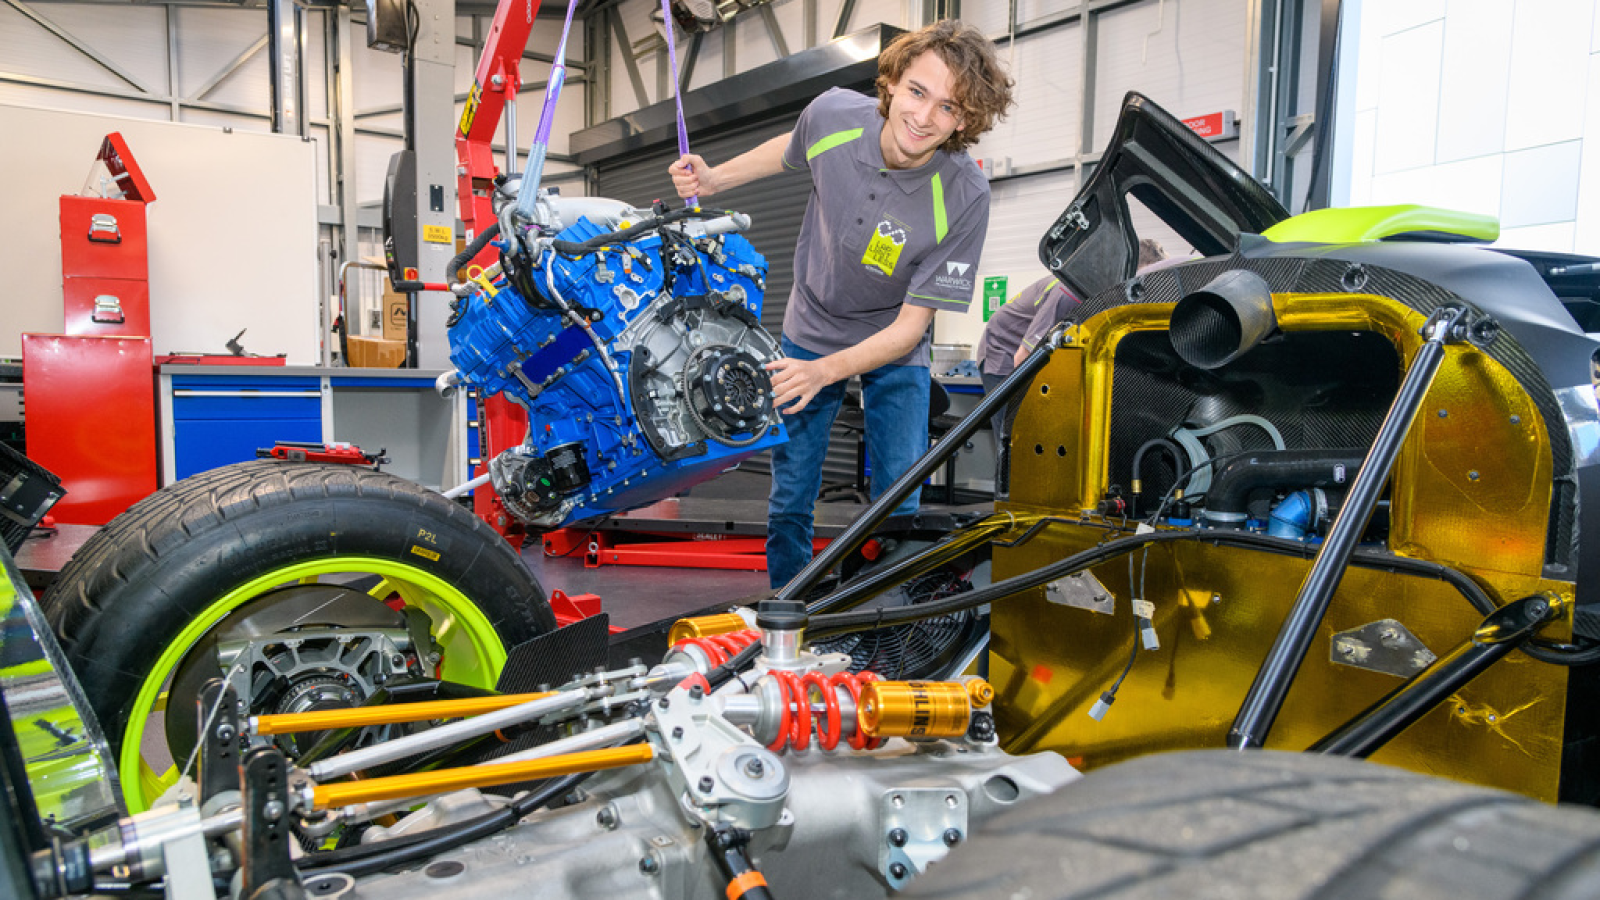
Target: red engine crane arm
x=498, y=76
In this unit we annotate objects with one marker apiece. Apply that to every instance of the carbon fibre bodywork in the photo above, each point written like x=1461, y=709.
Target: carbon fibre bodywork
x=1493, y=479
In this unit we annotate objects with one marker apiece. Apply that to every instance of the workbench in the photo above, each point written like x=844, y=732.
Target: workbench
x=216, y=415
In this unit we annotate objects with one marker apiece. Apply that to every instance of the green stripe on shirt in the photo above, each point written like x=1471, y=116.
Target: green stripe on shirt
x=941, y=226
x=831, y=141
x=938, y=299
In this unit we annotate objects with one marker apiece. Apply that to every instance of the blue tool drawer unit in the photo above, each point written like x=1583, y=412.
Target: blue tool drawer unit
x=222, y=419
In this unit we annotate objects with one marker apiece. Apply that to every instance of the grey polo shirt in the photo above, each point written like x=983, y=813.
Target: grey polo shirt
x=874, y=237
x=1006, y=328
x=1054, y=306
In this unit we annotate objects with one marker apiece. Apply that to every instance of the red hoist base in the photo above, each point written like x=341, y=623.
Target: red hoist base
x=570, y=608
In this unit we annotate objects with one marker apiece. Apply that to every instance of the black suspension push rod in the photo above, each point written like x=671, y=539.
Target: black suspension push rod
x=1504, y=630
x=1273, y=680
x=869, y=520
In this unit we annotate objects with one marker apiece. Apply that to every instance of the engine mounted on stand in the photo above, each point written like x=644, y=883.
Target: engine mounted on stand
x=633, y=339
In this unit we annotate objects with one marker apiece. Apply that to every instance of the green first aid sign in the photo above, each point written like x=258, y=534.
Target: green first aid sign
x=994, y=294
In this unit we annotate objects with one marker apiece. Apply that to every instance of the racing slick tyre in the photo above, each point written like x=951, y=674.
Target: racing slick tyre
x=309, y=584
x=1267, y=824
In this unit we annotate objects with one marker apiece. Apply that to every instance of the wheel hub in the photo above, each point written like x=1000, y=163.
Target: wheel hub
x=300, y=649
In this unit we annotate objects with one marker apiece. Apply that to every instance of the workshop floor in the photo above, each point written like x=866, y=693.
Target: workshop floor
x=639, y=595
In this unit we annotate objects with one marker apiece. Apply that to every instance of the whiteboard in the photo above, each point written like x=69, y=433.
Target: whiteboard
x=233, y=230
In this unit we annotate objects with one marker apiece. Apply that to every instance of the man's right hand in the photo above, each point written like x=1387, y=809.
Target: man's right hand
x=692, y=177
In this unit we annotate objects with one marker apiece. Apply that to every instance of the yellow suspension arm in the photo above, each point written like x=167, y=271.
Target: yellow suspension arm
x=288, y=723
x=327, y=796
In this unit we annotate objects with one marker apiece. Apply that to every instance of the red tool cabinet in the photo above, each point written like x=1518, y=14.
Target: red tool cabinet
x=105, y=255
x=90, y=393
x=91, y=420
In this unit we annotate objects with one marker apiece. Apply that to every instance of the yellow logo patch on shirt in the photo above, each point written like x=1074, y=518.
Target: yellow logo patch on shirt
x=883, y=251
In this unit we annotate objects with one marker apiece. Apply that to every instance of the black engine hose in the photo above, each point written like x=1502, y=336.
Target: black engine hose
x=1232, y=482
x=1161, y=443
x=867, y=620
x=473, y=249
x=365, y=859
x=579, y=248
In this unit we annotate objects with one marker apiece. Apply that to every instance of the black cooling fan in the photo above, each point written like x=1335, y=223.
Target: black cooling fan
x=924, y=649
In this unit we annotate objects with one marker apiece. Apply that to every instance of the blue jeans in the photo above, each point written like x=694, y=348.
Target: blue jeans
x=895, y=403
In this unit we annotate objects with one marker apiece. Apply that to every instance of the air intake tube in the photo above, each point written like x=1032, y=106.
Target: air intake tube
x=1228, y=498
x=1223, y=320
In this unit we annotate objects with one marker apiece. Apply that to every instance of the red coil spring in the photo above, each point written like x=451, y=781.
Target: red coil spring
x=719, y=648
x=794, y=719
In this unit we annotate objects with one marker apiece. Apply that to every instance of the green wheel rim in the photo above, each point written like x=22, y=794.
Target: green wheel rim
x=473, y=651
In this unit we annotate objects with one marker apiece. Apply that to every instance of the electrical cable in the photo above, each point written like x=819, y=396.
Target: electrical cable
x=1109, y=696
x=472, y=250
x=843, y=623
x=740, y=661
x=579, y=248
x=365, y=859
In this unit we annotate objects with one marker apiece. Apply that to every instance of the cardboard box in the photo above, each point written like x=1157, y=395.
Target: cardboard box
x=376, y=353
x=396, y=314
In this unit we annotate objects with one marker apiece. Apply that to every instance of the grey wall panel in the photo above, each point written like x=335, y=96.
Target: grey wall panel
x=993, y=18
x=1043, y=127
x=377, y=74
x=372, y=165
x=1188, y=57
x=28, y=48
x=78, y=101
x=209, y=41
x=131, y=37
x=218, y=119
x=1020, y=211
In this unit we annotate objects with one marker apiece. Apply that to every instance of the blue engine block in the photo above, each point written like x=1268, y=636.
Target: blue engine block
x=639, y=363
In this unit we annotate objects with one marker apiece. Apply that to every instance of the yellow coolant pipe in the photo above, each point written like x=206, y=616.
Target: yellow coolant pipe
x=360, y=717
x=394, y=787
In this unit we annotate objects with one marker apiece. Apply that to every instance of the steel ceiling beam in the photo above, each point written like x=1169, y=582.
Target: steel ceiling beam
x=773, y=31
x=232, y=67
x=78, y=45
x=784, y=85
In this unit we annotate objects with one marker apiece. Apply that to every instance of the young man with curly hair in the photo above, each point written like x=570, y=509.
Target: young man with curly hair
x=892, y=233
